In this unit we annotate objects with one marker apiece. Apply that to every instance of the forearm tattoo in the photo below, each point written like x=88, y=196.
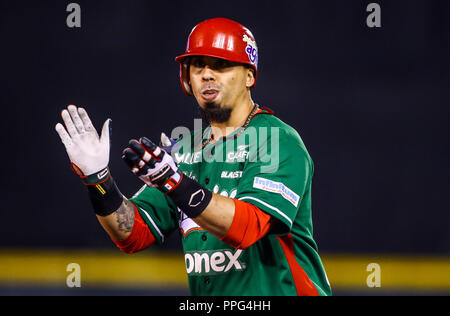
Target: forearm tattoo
x=125, y=216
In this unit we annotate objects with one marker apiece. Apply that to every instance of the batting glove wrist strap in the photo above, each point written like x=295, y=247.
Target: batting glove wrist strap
x=103, y=192
x=190, y=196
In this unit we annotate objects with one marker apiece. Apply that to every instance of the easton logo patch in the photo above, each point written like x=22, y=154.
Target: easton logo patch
x=276, y=187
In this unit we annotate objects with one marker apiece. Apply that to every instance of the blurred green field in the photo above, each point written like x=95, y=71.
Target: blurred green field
x=44, y=272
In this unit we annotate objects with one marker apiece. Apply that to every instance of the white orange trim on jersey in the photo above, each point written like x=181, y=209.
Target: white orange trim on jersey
x=153, y=224
x=269, y=206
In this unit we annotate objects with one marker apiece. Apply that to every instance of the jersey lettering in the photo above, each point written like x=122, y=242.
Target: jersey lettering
x=231, y=174
x=188, y=158
x=225, y=193
x=239, y=156
x=209, y=262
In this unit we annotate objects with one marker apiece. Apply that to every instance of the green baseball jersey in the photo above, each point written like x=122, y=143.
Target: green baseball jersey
x=268, y=166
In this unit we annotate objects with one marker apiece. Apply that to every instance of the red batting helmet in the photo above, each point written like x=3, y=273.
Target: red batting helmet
x=220, y=38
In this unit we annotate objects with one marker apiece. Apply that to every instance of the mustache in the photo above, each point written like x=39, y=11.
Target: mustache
x=210, y=86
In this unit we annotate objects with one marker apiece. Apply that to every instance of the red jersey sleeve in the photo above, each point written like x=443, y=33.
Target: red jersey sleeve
x=250, y=224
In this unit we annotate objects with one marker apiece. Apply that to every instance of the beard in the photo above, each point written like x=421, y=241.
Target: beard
x=214, y=113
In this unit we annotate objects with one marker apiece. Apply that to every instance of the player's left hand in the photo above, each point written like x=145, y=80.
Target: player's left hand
x=154, y=166
x=87, y=152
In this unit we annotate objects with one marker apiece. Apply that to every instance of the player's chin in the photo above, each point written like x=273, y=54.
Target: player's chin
x=217, y=115
x=209, y=105
x=212, y=105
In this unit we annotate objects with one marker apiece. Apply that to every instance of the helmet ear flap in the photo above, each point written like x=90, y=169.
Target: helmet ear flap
x=184, y=77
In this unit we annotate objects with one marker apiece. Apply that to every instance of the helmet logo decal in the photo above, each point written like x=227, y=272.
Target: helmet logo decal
x=251, y=49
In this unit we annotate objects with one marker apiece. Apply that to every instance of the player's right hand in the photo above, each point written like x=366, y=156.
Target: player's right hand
x=87, y=152
x=152, y=164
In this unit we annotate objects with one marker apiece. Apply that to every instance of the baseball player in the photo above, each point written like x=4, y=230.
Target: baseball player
x=238, y=191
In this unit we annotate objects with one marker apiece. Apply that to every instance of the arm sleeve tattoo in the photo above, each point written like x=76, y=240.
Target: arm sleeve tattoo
x=125, y=216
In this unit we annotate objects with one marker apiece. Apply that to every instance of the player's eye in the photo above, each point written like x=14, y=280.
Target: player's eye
x=198, y=63
x=221, y=63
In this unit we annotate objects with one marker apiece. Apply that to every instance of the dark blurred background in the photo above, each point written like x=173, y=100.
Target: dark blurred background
x=371, y=105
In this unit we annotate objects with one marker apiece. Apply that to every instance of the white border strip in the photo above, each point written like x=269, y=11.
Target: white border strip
x=269, y=206
x=139, y=192
x=153, y=223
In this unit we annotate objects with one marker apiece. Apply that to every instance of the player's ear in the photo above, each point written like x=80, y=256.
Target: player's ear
x=250, y=77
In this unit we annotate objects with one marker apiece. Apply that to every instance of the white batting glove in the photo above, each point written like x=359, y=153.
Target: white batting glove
x=87, y=152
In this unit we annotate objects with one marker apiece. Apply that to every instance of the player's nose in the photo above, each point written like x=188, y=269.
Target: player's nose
x=208, y=73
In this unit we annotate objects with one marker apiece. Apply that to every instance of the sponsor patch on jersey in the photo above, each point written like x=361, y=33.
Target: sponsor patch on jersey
x=276, y=187
x=213, y=262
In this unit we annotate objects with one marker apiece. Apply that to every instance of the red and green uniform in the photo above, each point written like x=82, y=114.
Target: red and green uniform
x=268, y=166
